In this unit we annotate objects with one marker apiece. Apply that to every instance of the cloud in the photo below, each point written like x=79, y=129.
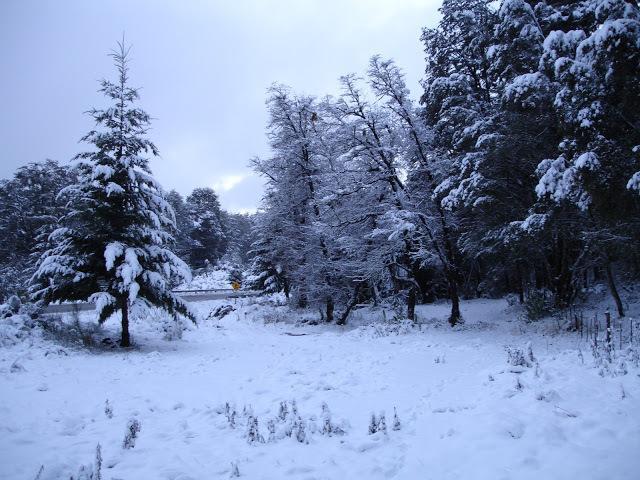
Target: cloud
x=228, y=182
x=204, y=67
x=243, y=192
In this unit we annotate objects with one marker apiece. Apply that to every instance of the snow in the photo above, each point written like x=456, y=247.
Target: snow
x=526, y=89
x=634, y=182
x=112, y=251
x=561, y=179
x=102, y=171
x=208, y=280
x=465, y=412
x=588, y=160
x=113, y=188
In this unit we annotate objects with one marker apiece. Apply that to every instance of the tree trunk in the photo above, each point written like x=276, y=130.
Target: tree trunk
x=520, y=284
x=329, y=309
x=354, y=301
x=411, y=304
x=614, y=290
x=125, y=341
x=455, y=303
x=375, y=294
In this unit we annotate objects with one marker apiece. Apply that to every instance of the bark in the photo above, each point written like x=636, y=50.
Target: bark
x=125, y=340
x=455, y=303
x=354, y=301
x=520, y=285
x=411, y=304
x=614, y=290
x=330, y=308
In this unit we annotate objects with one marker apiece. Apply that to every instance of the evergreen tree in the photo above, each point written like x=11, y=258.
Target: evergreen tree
x=595, y=67
x=209, y=241
x=239, y=235
x=267, y=271
x=112, y=247
x=183, y=242
x=29, y=211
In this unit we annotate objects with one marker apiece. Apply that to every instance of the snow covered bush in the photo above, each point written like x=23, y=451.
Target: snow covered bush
x=14, y=303
x=288, y=423
x=133, y=429
x=396, y=421
x=5, y=310
x=72, y=333
x=93, y=471
x=280, y=315
x=537, y=305
x=378, y=424
x=611, y=362
x=518, y=357
x=253, y=434
x=108, y=409
x=328, y=426
x=396, y=325
x=171, y=327
x=221, y=311
x=15, y=329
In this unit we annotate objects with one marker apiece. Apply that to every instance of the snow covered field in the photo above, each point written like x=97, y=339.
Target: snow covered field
x=464, y=411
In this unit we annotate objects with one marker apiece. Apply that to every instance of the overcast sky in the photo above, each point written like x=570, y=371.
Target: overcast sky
x=204, y=67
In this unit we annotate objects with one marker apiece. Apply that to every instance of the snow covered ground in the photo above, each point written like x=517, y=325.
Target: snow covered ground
x=214, y=279
x=464, y=411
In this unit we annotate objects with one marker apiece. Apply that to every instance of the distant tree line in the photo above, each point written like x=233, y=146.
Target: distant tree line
x=206, y=233
x=31, y=208
x=518, y=172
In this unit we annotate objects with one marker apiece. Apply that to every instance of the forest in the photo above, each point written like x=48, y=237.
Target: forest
x=515, y=171
x=437, y=284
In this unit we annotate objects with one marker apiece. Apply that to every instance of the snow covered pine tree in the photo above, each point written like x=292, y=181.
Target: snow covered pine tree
x=112, y=247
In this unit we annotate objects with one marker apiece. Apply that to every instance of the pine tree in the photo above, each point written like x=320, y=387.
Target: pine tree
x=183, y=242
x=29, y=212
x=239, y=237
x=208, y=229
x=595, y=66
x=112, y=247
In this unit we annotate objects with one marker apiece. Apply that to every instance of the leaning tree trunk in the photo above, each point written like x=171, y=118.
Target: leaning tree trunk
x=354, y=301
x=614, y=290
x=125, y=340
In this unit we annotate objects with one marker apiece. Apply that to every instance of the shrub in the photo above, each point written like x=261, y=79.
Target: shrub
x=518, y=357
x=396, y=421
x=537, y=305
x=14, y=303
x=133, y=428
